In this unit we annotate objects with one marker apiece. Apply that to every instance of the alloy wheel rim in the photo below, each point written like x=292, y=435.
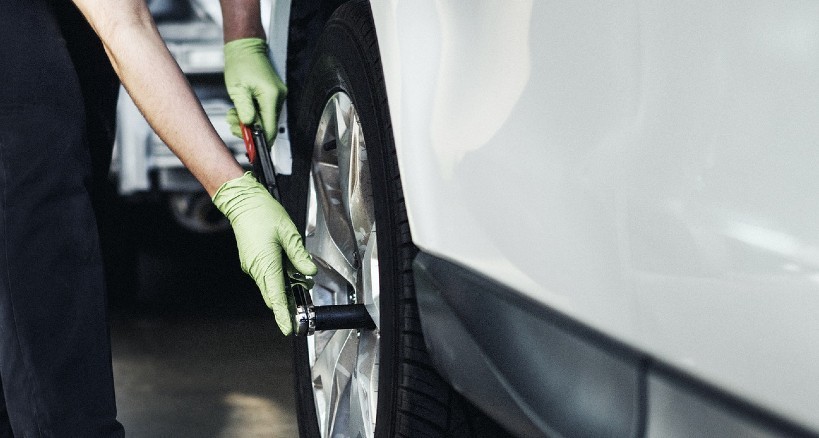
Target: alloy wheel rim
x=341, y=236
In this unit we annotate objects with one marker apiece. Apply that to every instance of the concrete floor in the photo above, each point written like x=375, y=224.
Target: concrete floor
x=178, y=377
x=195, y=351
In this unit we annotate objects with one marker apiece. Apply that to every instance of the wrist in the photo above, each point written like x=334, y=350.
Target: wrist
x=230, y=194
x=222, y=179
x=237, y=49
x=245, y=34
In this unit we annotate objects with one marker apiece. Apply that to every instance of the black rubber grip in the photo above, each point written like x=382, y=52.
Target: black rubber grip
x=343, y=316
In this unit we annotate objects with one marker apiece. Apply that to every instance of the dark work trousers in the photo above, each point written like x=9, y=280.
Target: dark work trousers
x=55, y=359
x=100, y=89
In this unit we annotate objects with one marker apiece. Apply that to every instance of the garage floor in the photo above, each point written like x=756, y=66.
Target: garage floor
x=202, y=377
x=195, y=351
x=208, y=377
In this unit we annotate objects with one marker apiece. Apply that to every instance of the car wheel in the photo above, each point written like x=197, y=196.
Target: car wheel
x=361, y=382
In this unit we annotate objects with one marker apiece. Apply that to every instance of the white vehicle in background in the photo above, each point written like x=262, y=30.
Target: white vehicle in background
x=585, y=218
x=143, y=166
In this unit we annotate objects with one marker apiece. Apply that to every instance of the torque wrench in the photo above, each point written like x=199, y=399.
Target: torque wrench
x=308, y=318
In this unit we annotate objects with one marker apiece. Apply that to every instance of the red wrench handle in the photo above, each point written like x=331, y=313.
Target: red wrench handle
x=250, y=146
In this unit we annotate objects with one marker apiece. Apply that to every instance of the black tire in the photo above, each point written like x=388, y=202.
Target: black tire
x=413, y=400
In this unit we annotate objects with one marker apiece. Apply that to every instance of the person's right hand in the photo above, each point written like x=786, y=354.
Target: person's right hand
x=252, y=83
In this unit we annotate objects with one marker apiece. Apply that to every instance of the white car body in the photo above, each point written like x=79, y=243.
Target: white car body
x=647, y=169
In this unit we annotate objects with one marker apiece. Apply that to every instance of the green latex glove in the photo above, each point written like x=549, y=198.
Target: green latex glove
x=251, y=83
x=263, y=232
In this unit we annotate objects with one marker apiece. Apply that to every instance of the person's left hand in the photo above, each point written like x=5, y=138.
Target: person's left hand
x=264, y=232
x=252, y=83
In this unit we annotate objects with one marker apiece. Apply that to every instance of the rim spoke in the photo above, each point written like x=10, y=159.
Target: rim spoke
x=330, y=204
x=344, y=129
x=333, y=370
x=354, y=171
x=323, y=378
x=329, y=242
x=330, y=287
x=364, y=386
x=371, y=290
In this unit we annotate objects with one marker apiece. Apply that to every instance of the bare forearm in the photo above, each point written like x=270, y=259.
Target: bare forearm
x=160, y=90
x=242, y=19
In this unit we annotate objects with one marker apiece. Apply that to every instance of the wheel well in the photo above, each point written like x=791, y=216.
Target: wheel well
x=307, y=21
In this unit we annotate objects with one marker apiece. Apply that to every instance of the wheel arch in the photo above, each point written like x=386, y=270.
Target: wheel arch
x=305, y=21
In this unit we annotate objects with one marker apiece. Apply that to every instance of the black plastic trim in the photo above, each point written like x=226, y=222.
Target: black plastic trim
x=459, y=337
x=587, y=384
x=739, y=408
